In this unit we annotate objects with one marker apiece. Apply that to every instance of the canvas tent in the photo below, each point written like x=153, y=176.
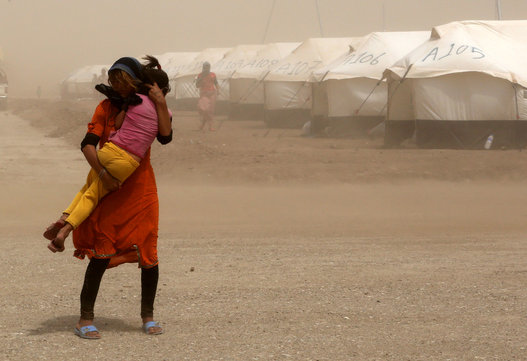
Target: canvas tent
x=184, y=83
x=233, y=60
x=81, y=83
x=462, y=85
x=348, y=95
x=246, y=86
x=176, y=63
x=287, y=87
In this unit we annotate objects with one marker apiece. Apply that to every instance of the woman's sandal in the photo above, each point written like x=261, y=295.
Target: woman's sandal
x=53, y=229
x=83, y=332
x=148, y=325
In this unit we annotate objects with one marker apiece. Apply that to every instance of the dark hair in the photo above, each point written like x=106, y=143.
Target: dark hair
x=152, y=73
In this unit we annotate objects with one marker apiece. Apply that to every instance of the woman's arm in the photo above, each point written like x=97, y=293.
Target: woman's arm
x=90, y=153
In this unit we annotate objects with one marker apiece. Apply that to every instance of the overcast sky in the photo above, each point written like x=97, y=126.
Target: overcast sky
x=44, y=40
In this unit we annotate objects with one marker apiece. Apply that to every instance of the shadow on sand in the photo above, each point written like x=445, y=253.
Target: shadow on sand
x=67, y=324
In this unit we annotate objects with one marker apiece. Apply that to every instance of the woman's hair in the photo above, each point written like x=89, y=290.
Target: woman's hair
x=152, y=73
x=127, y=71
x=120, y=76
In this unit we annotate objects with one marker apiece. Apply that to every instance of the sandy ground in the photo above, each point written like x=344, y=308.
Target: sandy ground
x=302, y=249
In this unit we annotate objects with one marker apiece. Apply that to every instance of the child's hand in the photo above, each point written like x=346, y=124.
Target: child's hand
x=156, y=94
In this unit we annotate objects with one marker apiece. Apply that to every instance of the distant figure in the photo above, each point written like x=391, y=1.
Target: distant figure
x=208, y=87
x=39, y=92
x=93, y=91
x=103, y=77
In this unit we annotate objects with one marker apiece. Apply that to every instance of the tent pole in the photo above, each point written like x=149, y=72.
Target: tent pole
x=517, y=118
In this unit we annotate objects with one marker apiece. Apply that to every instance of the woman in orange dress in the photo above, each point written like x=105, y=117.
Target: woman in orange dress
x=124, y=226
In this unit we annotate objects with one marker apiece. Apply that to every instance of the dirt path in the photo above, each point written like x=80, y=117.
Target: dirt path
x=414, y=270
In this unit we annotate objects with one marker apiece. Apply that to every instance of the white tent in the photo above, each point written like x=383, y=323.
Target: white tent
x=246, y=85
x=467, y=82
x=185, y=85
x=81, y=83
x=287, y=86
x=175, y=63
x=349, y=92
x=233, y=60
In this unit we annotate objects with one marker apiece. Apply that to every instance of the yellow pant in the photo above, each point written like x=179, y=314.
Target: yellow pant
x=118, y=163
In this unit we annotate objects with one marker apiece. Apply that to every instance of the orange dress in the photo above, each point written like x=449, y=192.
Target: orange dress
x=124, y=225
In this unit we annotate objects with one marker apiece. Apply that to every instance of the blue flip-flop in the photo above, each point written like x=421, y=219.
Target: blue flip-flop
x=83, y=331
x=150, y=324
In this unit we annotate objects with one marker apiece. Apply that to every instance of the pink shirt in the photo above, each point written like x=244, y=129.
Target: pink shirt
x=139, y=129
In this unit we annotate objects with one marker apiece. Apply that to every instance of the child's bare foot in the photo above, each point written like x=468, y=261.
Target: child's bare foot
x=54, y=228
x=57, y=245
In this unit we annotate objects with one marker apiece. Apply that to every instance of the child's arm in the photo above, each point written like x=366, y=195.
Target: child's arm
x=163, y=116
x=119, y=119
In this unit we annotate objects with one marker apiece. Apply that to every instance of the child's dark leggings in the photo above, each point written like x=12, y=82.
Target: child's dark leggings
x=92, y=280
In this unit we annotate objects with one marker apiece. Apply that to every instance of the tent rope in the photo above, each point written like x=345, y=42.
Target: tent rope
x=365, y=100
x=396, y=88
x=268, y=21
x=294, y=96
x=319, y=20
x=252, y=88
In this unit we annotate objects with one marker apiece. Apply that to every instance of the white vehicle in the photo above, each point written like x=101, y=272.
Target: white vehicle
x=3, y=90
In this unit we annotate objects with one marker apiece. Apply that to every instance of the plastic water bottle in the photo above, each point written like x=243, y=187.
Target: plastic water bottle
x=489, y=141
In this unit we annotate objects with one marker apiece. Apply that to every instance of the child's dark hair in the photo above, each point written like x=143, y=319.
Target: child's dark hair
x=152, y=73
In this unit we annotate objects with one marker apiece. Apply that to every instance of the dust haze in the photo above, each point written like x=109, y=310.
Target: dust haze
x=272, y=246
x=44, y=41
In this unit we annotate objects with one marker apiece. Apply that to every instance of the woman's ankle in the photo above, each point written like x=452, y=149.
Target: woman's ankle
x=147, y=319
x=83, y=322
